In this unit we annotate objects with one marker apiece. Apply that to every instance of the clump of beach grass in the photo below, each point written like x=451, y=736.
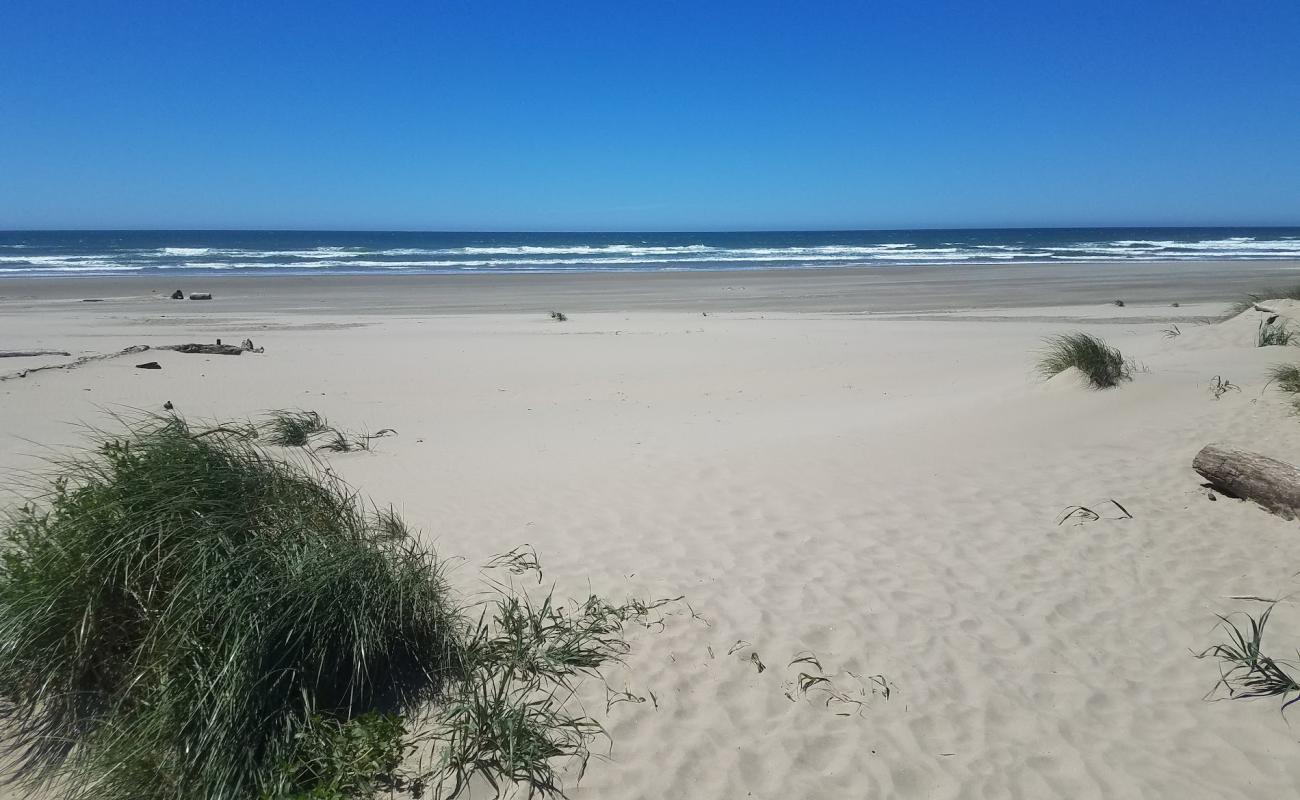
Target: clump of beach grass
x=1286, y=376
x=1274, y=333
x=184, y=614
x=180, y=607
x=1103, y=365
x=293, y=427
x=299, y=428
x=1245, y=671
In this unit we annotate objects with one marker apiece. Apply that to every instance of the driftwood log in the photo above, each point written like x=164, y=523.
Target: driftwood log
x=80, y=362
x=30, y=353
x=217, y=349
x=1273, y=484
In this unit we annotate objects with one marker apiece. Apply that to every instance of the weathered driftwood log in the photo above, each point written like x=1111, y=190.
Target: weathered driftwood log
x=1273, y=484
x=200, y=295
x=217, y=349
x=30, y=353
x=80, y=362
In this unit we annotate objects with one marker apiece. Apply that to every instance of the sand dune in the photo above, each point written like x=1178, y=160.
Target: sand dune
x=883, y=493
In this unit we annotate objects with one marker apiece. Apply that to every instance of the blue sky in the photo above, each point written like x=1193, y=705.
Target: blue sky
x=647, y=115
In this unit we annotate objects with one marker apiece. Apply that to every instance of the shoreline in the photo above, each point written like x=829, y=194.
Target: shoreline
x=830, y=289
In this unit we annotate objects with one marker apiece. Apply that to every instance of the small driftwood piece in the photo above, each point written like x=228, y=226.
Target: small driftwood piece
x=80, y=362
x=31, y=353
x=1273, y=484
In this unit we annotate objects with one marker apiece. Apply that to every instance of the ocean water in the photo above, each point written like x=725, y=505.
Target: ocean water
x=69, y=253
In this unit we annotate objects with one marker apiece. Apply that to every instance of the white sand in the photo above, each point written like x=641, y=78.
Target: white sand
x=881, y=492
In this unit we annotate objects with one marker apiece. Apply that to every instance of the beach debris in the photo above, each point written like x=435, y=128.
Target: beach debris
x=1272, y=484
x=1174, y=305
x=31, y=353
x=559, y=316
x=1119, y=303
x=753, y=657
x=149, y=365
x=167, y=406
x=1173, y=331
x=247, y=345
x=200, y=295
x=93, y=300
x=178, y=295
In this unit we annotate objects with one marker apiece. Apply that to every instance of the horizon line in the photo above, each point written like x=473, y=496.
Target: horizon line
x=557, y=231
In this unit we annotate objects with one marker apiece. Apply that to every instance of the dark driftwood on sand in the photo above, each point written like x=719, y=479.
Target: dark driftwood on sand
x=139, y=348
x=1273, y=484
x=30, y=353
x=205, y=349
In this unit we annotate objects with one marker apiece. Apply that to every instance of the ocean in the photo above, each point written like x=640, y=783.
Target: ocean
x=105, y=253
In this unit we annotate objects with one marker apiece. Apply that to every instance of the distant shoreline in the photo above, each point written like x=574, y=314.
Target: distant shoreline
x=833, y=289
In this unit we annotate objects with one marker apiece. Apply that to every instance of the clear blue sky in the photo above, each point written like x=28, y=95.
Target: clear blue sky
x=562, y=115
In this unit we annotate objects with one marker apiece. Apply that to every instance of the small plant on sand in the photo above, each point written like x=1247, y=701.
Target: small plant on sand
x=832, y=691
x=1244, y=670
x=1119, y=303
x=1103, y=365
x=1219, y=386
x=559, y=316
x=185, y=615
x=1172, y=332
x=1286, y=376
x=296, y=428
x=293, y=428
x=1082, y=514
x=1273, y=332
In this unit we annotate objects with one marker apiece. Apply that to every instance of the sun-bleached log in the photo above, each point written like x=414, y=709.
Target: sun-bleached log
x=1273, y=484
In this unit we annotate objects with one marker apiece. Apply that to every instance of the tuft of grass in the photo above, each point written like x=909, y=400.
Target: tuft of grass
x=1172, y=332
x=1219, y=386
x=1103, y=365
x=559, y=316
x=1286, y=376
x=181, y=609
x=1244, y=670
x=1273, y=332
x=293, y=428
x=296, y=428
x=184, y=614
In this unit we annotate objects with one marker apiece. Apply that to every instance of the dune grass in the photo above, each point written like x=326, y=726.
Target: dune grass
x=293, y=427
x=1244, y=669
x=299, y=428
x=1286, y=376
x=1274, y=333
x=186, y=615
x=1103, y=365
x=1249, y=301
x=183, y=606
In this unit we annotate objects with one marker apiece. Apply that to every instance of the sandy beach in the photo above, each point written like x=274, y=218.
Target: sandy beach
x=857, y=464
